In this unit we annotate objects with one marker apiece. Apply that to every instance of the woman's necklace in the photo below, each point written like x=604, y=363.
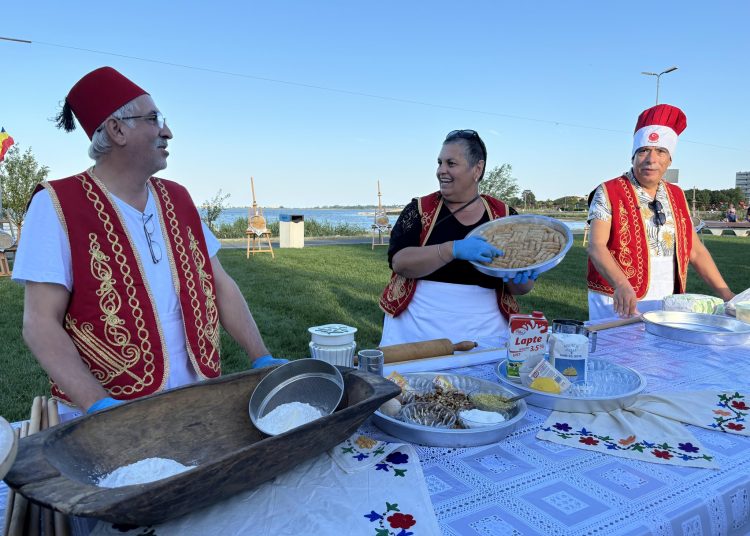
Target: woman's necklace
x=454, y=212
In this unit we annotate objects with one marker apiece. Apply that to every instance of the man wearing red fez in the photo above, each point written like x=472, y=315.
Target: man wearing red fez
x=642, y=236
x=124, y=291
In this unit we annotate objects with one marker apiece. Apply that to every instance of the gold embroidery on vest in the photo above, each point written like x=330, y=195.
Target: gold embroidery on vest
x=398, y=288
x=638, y=230
x=212, y=313
x=206, y=357
x=624, y=257
x=110, y=303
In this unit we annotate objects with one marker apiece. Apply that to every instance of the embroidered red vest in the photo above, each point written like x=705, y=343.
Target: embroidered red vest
x=111, y=316
x=400, y=290
x=628, y=243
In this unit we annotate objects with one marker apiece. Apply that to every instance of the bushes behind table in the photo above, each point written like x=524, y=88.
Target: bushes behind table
x=238, y=227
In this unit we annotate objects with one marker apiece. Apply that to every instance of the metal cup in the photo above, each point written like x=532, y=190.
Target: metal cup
x=370, y=361
x=566, y=325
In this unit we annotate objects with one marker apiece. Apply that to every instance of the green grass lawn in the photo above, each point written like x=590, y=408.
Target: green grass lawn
x=325, y=284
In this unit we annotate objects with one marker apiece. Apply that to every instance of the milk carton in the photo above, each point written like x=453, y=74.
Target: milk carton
x=528, y=338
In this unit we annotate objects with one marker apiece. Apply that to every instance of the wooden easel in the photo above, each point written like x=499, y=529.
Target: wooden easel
x=257, y=231
x=381, y=226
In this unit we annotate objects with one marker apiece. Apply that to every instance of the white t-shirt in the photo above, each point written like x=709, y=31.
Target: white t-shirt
x=43, y=256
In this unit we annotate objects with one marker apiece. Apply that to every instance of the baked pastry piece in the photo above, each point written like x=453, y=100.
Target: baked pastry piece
x=524, y=244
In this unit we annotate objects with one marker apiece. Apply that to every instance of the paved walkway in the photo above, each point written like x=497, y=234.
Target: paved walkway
x=241, y=243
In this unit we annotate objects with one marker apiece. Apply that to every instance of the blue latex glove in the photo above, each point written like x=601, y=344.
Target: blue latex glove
x=268, y=361
x=523, y=277
x=475, y=248
x=103, y=403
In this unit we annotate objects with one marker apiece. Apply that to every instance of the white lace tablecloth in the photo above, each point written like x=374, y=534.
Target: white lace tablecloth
x=524, y=486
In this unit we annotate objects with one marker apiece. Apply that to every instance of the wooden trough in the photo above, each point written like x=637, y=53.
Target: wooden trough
x=205, y=424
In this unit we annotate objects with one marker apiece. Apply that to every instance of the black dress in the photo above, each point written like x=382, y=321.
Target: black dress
x=406, y=233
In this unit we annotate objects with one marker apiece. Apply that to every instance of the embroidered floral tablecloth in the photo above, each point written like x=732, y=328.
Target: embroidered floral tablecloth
x=524, y=486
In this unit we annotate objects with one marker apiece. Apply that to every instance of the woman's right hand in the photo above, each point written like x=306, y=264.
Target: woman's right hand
x=475, y=248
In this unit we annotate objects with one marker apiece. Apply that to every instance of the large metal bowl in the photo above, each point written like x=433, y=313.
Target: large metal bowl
x=448, y=437
x=697, y=328
x=525, y=218
x=609, y=387
x=310, y=381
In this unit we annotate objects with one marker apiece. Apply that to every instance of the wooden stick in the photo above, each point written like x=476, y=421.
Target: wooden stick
x=35, y=422
x=18, y=516
x=10, y=498
x=61, y=527
x=615, y=323
x=45, y=423
x=47, y=526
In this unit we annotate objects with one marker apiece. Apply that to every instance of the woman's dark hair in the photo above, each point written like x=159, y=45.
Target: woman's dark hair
x=475, y=148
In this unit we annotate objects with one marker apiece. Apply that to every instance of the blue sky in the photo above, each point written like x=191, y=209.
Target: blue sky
x=554, y=88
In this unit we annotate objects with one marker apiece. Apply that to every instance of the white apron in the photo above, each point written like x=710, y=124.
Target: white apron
x=662, y=284
x=448, y=311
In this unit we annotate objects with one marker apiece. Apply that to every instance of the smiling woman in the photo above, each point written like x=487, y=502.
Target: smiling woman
x=434, y=291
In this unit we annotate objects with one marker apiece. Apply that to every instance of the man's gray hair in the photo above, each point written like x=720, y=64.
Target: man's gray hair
x=100, y=142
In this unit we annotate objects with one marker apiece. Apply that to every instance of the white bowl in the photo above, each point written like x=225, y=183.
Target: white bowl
x=332, y=334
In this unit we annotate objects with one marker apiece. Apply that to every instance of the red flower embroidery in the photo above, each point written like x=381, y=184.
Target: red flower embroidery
x=722, y=412
x=735, y=426
x=588, y=441
x=737, y=404
x=627, y=441
x=401, y=521
x=662, y=454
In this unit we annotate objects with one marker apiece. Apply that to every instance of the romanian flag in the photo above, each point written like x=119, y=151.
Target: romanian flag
x=5, y=142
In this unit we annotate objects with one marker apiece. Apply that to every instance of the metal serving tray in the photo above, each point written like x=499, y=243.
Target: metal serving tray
x=525, y=218
x=608, y=387
x=697, y=328
x=442, y=437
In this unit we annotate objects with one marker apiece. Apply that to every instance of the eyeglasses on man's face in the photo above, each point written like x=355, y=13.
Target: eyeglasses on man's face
x=155, y=117
x=149, y=228
x=659, y=217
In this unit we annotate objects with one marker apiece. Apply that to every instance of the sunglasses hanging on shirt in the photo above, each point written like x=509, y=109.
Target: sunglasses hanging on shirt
x=659, y=217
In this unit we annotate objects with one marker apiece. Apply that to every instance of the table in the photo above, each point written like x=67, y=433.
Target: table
x=523, y=486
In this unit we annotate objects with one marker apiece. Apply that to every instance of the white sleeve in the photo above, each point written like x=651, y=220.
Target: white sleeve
x=600, y=209
x=43, y=254
x=212, y=243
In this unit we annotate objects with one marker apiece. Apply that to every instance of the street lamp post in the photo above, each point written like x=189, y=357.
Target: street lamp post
x=658, y=76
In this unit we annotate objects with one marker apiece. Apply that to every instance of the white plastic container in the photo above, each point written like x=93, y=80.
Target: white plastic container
x=342, y=355
x=333, y=343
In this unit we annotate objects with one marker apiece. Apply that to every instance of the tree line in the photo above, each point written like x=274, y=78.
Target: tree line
x=20, y=173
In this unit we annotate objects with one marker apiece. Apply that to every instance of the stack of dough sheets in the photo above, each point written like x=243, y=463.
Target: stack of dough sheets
x=524, y=244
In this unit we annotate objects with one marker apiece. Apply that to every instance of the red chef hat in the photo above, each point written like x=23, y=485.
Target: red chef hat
x=659, y=127
x=95, y=97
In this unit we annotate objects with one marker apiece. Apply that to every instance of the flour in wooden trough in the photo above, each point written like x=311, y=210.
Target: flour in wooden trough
x=142, y=472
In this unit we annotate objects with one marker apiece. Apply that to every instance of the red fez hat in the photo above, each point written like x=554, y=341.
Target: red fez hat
x=95, y=97
x=659, y=126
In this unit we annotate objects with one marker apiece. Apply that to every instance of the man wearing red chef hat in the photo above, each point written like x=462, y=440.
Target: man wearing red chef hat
x=123, y=289
x=642, y=236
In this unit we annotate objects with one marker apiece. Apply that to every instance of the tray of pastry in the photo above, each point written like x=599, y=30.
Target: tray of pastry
x=449, y=410
x=528, y=241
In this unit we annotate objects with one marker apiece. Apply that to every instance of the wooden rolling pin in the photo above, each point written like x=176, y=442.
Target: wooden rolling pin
x=420, y=350
x=615, y=323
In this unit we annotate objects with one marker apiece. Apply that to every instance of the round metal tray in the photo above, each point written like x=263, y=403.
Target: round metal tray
x=442, y=437
x=525, y=218
x=697, y=328
x=608, y=387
